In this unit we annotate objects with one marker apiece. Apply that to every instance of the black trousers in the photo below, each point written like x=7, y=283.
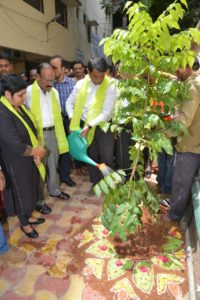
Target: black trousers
x=101, y=151
x=65, y=159
x=186, y=167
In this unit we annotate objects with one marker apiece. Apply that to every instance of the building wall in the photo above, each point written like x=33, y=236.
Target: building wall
x=24, y=28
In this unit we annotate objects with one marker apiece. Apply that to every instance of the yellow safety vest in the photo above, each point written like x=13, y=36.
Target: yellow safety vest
x=32, y=136
x=94, y=108
x=57, y=118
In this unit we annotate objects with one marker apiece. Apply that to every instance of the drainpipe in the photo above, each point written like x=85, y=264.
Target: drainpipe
x=189, y=259
x=196, y=206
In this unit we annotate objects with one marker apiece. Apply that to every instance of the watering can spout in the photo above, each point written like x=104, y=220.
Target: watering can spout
x=105, y=170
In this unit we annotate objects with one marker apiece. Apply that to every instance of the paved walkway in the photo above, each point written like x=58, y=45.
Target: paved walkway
x=73, y=260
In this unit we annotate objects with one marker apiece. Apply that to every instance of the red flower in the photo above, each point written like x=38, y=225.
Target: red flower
x=143, y=269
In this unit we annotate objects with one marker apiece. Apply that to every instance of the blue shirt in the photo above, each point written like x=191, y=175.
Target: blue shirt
x=64, y=89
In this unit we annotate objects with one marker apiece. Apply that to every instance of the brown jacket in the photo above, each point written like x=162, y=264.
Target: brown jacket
x=189, y=116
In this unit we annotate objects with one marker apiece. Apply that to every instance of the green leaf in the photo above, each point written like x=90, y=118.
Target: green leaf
x=168, y=87
x=121, y=209
x=97, y=190
x=110, y=182
x=112, y=208
x=127, y=4
x=122, y=234
x=121, y=172
x=172, y=23
x=104, y=186
x=185, y=3
x=105, y=222
x=131, y=220
x=116, y=176
x=195, y=33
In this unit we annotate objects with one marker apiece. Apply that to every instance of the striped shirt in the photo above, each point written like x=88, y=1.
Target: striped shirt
x=64, y=89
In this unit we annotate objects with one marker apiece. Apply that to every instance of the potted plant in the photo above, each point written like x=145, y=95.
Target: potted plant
x=148, y=52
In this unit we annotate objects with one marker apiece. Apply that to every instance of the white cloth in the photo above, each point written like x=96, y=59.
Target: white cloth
x=108, y=106
x=45, y=105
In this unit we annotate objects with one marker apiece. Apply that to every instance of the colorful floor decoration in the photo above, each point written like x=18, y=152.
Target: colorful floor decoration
x=161, y=277
x=74, y=259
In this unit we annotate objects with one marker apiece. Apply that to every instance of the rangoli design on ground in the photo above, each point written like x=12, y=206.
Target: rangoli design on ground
x=84, y=237
x=96, y=264
x=101, y=249
x=100, y=231
x=143, y=276
x=168, y=262
x=106, y=262
x=123, y=290
x=115, y=267
x=163, y=280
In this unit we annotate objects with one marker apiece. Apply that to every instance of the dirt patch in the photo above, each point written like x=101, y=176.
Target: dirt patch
x=145, y=244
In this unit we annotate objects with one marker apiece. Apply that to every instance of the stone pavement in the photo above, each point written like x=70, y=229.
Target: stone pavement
x=43, y=275
x=73, y=260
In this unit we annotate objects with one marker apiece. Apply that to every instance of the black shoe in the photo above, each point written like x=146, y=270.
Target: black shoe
x=38, y=221
x=62, y=196
x=69, y=181
x=33, y=234
x=43, y=209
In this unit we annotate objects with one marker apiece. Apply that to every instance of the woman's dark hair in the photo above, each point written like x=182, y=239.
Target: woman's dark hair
x=98, y=63
x=13, y=83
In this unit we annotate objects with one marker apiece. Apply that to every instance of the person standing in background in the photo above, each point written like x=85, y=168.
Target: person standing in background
x=44, y=104
x=5, y=67
x=78, y=70
x=32, y=75
x=64, y=85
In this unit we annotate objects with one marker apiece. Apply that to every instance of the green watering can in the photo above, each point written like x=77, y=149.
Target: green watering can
x=78, y=150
